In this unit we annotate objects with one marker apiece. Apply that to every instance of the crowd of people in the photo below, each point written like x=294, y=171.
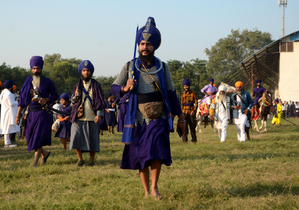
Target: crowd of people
x=146, y=103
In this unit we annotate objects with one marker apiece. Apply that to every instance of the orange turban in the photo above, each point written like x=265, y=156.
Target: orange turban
x=239, y=83
x=0, y=83
x=14, y=87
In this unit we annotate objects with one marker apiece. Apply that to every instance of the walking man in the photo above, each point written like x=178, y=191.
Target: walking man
x=241, y=104
x=220, y=112
x=189, y=106
x=152, y=103
x=36, y=92
x=9, y=107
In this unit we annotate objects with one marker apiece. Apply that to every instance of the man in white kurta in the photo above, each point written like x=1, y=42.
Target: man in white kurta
x=9, y=108
x=219, y=111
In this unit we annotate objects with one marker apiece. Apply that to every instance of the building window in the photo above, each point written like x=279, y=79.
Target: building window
x=286, y=46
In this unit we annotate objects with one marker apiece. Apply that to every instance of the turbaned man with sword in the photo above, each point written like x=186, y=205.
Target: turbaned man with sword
x=152, y=103
x=36, y=92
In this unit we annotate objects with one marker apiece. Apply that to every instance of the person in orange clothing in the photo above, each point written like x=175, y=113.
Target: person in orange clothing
x=189, y=102
x=64, y=129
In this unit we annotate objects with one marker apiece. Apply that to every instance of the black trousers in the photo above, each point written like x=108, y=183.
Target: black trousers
x=191, y=121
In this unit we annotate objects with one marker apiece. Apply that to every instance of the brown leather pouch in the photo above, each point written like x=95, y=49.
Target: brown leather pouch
x=152, y=110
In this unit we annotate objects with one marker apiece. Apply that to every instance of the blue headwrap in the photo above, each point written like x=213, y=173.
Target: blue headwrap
x=150, y=33
x=8, y=84
x=36, y=61
x=258, y=81
x=186, y=82
x=211, y=80
x=65, y=96
x=276, y=100
x=85, y=64
x=108, y=94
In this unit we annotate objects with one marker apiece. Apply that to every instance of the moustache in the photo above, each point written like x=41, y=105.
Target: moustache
x=37, y=73
x=145, y=51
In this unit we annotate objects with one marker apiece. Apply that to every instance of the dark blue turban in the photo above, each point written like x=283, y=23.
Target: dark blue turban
x=85, y=64
x=36, y=61
x=64, y=96
x=150, y=33
x=108, y=94
x=186, y=82
x=211, y=80
x=8, y=84
x=258, y=81
x=276, y=100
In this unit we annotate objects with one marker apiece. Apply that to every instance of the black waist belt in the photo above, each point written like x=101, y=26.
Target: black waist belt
x=35, y=108
x=259, y=94
x=150, y=97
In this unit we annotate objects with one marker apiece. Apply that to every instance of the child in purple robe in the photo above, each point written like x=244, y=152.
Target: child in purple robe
x=64, y=129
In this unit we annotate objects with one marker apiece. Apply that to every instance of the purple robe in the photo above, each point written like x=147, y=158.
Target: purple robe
x=258, y=93
x=110, y=117
x=123, y=105
x=64, y=129
x=39, y=122
x=97, y=98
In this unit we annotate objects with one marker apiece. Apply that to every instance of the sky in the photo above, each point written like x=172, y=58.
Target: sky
x=104, y=31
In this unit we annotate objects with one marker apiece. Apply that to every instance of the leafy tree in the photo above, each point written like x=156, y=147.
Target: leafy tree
x=226, y=55
x=106, y=82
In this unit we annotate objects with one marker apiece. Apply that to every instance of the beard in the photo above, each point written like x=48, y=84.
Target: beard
x=36, y=79
x=86, y=79
x=148, y=57
x=222, y=98
x=239, y=92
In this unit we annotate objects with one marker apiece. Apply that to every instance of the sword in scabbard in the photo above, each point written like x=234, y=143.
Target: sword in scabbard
x=133, y=67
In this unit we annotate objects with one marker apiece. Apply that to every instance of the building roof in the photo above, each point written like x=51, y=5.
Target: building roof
x=263, y=65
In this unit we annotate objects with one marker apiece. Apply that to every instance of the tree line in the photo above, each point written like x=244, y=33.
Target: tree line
x=223, y=58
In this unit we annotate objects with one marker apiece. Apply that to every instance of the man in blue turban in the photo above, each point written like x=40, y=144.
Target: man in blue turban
x=189, y=102
x=39, y=122
x=88, y=96
x=152, y=104
x=9, y=107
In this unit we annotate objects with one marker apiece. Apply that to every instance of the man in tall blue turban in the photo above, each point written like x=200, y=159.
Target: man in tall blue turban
x=39, y=122
x=87, y=94
x=152, y=104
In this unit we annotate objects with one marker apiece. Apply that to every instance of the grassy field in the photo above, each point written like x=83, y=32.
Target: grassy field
x=259, y=174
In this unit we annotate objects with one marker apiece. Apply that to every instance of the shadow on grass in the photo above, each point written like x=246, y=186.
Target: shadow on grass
x=232, y=157
x=254, y=190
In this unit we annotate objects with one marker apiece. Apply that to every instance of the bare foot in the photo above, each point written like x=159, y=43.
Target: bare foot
x=156, y=195
x=146, y=194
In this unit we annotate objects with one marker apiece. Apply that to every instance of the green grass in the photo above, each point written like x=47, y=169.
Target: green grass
x=259, y=174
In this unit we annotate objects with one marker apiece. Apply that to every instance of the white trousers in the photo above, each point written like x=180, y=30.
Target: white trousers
x=222, y=130
x=241, y=128
x=6, y=139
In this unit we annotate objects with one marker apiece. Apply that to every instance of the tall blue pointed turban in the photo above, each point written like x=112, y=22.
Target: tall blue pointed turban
x=258, y=81
x=186, y=82
x=8, y=84
x=85, y=64
x=36, y=61
x=64, y=96
x=150, y=33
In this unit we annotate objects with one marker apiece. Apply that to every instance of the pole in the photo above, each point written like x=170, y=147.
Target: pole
x=283, y=20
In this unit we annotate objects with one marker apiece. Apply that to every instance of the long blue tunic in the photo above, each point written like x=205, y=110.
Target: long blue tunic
x=39, y=122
